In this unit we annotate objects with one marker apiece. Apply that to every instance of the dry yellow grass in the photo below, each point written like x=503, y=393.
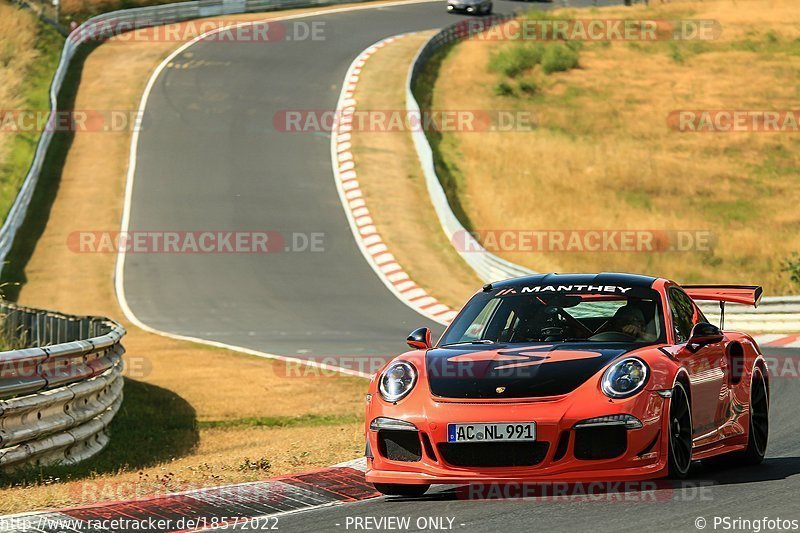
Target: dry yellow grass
x=88, y=7
x=604, y=158
x=223, y=456
x=17, y=53
x=394, y=187
x=164, y=373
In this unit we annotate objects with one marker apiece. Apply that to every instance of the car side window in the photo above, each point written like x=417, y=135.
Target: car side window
x=683, y=314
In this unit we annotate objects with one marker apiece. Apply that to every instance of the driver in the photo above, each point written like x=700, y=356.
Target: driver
x=628, y=320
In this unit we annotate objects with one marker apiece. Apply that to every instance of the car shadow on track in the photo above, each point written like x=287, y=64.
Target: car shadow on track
x=773, y=469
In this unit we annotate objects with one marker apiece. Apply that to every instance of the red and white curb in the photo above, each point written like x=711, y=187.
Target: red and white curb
x=255, y=505
x=778, y=340
x=365, y=232
x=369, y=240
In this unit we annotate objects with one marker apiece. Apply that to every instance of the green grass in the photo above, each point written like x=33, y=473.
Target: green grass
x=523, y=68
x=527, y=87
x=732, y=211
x=769, y=45
x=513, y=60
x=559, y=58
x=88, y=10
x=447, y=171
x=503, y=89
x=37, y=81
x=637, y=199
x=307, y=420
x=13, y=276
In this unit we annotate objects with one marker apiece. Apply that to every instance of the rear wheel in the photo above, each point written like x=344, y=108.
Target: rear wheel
x=759, y=420
x=680, y=433
x=396, y=489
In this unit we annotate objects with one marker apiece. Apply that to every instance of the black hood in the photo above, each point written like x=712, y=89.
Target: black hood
x=517, y=370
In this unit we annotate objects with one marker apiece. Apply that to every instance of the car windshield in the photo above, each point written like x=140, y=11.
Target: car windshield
x=513, y=315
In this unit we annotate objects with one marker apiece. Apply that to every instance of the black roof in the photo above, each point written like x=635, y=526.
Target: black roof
x=603, y=278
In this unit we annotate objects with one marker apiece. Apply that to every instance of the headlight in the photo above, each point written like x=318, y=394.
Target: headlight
x=397, y=381
x=625, y=378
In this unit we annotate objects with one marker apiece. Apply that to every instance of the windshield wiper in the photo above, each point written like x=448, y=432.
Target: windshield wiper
x=480, y=341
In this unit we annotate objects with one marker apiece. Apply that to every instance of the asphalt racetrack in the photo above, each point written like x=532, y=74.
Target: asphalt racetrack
x=209, y=159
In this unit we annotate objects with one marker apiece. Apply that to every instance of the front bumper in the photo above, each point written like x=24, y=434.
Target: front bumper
x=565, y=454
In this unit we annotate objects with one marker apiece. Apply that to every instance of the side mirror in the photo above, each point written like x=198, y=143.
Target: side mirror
x=704, y=333
x=420, y=339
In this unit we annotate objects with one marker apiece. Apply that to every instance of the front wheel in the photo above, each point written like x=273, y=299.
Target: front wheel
x=680, y=433
x=396, y=489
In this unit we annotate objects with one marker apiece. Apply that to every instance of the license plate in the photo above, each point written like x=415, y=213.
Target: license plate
x=497, y=432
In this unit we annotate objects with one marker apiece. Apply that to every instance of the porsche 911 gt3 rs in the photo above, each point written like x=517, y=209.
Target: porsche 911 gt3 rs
x=570, y=377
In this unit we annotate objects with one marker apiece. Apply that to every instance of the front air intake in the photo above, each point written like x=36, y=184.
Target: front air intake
x=399, y=445
x=493, y=454
x=601, y=442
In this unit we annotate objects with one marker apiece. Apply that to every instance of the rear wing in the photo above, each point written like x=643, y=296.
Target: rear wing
x=739, y=294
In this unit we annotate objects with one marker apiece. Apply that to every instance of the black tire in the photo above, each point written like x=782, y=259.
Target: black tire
x=396, y=489
x=758, y=433
x=680, y=433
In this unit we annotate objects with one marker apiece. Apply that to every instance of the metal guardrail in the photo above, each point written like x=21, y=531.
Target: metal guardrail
x=779, y=314
x=104, y=26
x=60, y=390
x=488, y=266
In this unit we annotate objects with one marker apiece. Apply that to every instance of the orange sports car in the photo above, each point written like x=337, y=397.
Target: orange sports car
x=569, y=378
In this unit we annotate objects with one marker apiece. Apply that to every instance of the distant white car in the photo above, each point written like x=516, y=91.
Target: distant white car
x=471, y=7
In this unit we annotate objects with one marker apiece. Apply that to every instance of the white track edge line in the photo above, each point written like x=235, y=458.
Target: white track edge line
x=119, y=270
